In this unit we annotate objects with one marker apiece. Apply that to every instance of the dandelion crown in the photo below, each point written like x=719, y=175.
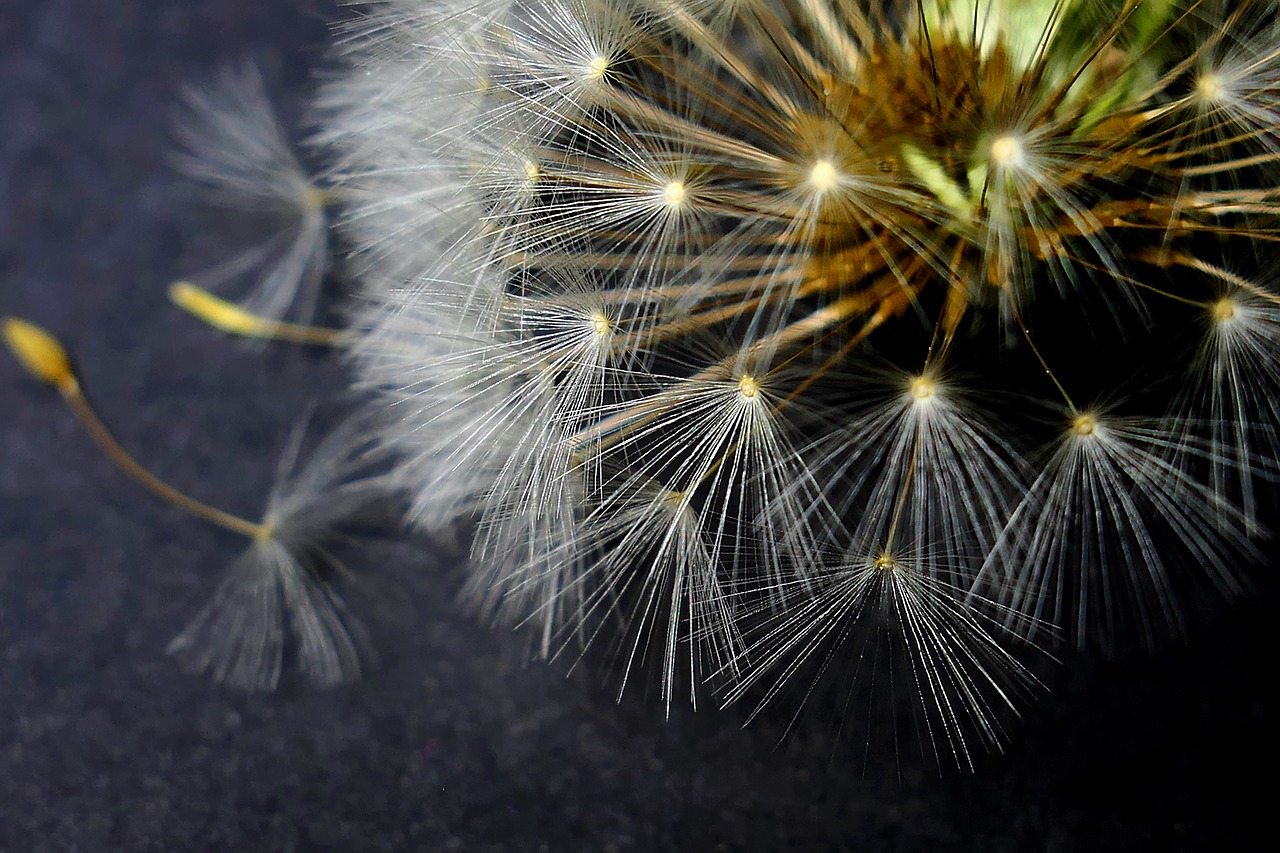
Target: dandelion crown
x=771, y=339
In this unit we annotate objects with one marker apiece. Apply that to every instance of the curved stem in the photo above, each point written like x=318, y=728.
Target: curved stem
x=70, y=390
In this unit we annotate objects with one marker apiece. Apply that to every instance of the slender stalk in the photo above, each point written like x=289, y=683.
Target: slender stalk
x=46, y=360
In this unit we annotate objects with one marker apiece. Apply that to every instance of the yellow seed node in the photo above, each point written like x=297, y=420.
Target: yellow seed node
x=886, y=563
x=38, y=351
x=1084, y=425
x=314, y=198
x=219, y=313
x=748, y=387
x=824, y=175
x=1006, y=151
x=1224, y=310
x=597, y=67
x=531, y=171
x=600, y=324
x=1209, y=88
x=923, y=388
x=674, y=193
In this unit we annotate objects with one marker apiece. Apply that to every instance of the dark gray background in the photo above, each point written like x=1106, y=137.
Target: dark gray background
x=452, y=743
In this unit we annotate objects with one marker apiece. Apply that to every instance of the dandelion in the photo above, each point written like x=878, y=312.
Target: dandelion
x=762, y=338
x=850, y=257
x=285, y=579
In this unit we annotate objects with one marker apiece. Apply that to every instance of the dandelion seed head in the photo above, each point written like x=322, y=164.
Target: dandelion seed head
x=580, y=278
x=718, y=320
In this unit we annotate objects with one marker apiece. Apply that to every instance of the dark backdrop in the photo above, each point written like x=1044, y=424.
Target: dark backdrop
x=452, y=744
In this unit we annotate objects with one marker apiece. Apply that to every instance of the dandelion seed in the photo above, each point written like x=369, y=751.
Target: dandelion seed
x=280, y=595
x=284, y=578
x=1231, y=398
x=883, y=623
x=678, y=608
x=236, y=148
x=1089, y=546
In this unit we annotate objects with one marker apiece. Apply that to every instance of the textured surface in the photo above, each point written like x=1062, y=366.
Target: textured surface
x=452, y=743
